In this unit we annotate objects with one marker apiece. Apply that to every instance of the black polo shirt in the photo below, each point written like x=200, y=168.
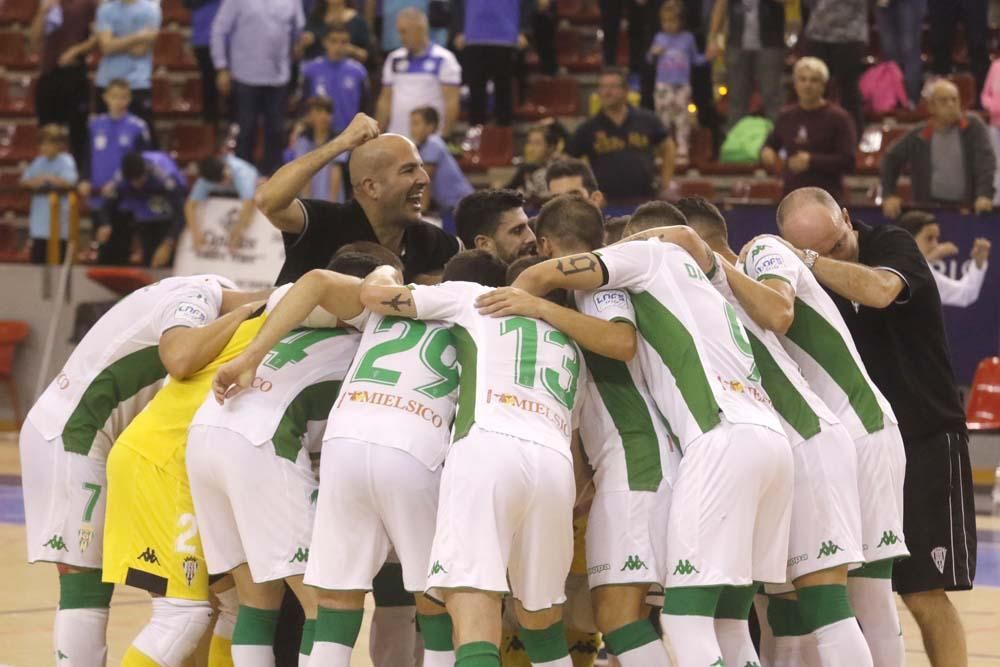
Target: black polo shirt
x=904, y=346
x=328, y=226
x=621, y=155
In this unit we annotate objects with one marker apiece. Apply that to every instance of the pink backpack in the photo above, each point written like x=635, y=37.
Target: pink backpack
x=882, y=87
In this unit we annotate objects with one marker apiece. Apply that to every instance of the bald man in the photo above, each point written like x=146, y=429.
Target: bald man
x=389, y=181
x=886, y=294
x=950, y=157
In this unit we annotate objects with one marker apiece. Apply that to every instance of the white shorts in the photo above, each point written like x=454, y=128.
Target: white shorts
x=65, y=496
x=731, y=509
x=372, y=500
x=826, y=512
x=881, y=469
x=253, y=506
x=619, y=542
x=506, y=514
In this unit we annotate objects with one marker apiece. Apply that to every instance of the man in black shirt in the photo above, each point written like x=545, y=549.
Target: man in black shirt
x=889, y=300
x=388, y=179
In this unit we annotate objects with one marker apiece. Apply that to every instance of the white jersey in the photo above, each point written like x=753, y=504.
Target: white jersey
x=519, y=375
x=694, y=351
x=626, y=439
x=116, y=369
x=820, y=342
x=401, y=390
x=801, y=411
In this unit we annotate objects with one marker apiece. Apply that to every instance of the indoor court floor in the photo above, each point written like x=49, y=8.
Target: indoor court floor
x=28, y=594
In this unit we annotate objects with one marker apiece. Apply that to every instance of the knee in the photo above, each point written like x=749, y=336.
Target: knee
x=340, y=599
x=538, y=620
x=612, y=612
x=174, y=630
x=926, y=605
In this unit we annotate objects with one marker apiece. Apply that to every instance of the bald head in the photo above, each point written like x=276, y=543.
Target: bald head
x=943, y=102
x=413, y=29
x=373, y=158
x=809, y=218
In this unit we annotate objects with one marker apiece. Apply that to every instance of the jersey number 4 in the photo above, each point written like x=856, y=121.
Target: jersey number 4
x=434, y=343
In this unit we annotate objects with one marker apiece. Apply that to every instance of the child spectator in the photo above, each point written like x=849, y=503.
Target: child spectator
x=448, y=183
x=54, y=169
x=226, y=176
x=126, y=31
x=542, y=145
x=338, y=77
x=990, y=99
x=309, y=133
x=675, y=53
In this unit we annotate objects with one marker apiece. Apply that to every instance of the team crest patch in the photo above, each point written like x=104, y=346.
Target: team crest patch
x=85, y=535
x=190, y=569
x=938, y=555
x=610, y=299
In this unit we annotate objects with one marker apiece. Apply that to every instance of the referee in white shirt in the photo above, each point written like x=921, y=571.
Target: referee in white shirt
x=961, y=292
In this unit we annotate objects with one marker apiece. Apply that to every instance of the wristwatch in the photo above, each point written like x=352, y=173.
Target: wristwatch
x=809, y=259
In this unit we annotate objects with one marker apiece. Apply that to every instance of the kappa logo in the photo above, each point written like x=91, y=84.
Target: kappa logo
x=939, y=555
x=61, y=656
x=301, y=556
x=56, y=542
x=190, y=566
x=149, y=555
x=437, y=568
x=684, y=567
x=828, y=548
x=313, y=496
x=633, y=563
x=718, y=663
x=889, y=539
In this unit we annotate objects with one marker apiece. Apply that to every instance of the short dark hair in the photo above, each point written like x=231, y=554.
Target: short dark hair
x=362, y=257
x=53, y=133
x=133, y=166
x=620, y=72
x=614, y=228
x=479, y=213
x=522, y=264
x=476, y=266
x=320, y=102
x=212, y=169
x=552, y=131
x=569, y=167
x=571, y=218
x=429, y=114
x=118, y=83
x=915, y=221
x=704, y=216
x=654, y=214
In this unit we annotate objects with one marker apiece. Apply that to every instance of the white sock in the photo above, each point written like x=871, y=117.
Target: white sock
x=647, y=655
x=734, y=640
x=438, y=658
x=874, y=605
x=841, y=644
x=79, y=636
x=393, y=636
x=303, y=660
x=766, y=634
x=252, y=655
x=787, y=652
x=229, y=607
x=330, y=654
x=692, y=639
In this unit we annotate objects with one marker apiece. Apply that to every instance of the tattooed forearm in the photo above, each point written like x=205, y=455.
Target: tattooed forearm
x=397, y=301
x=576, y=264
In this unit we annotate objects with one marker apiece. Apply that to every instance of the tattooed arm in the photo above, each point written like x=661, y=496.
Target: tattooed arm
x=381, y=293
x=574, y=272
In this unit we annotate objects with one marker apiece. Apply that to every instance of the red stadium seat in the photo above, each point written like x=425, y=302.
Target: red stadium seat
x=18, y=143
x=12, y=332
x=174, y=11
x=550, y=96
x=696, y=187
x=983, y=410
x=9, y=244
x=571, y=53
x=120, y=280
x=173, y=51
x=190, y=143
x=768, y=190
x=496, y=149
x=17, y=96
x=14, y=51
x=17, y=11
x=579, y=11
x=176, y=97
x=13, y=198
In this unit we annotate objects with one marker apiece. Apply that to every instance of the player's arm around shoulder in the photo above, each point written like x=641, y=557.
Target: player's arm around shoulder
x=382, y=293
x=583, y=271
x=184, y=350
x=769, y=302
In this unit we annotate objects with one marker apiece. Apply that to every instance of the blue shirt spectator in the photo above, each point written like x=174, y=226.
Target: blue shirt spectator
x=201, y=22
x=112, y=135
x=492, y=22
x=253, y=39
x=341, y=79
x=135, y=21
x=675, y=53
x=158, y=195
x=60, y=166
x=239, y=177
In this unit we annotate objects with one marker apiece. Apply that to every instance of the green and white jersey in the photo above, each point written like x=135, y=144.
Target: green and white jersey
x=802, y=412
x=116, y=369
x=400, y=392
x=626, y=439
x=820, y=342
x=694, y=352
x=519, y=375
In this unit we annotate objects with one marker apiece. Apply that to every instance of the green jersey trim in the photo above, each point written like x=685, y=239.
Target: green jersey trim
x=117, y=383
x=787, y=400
x=631, y=418
x=468, y=355
x=312, y=404
x=821, y=341
x=771, y=276
x=676, y=348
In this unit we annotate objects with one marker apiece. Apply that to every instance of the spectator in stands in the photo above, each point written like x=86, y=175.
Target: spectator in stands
x=544, y=21
x=252, y=51
x=542, y=145
x=926, y=232
x=311, y=132
x=448, y=183
x=202, y=16
x=126, y=31
x=495, y=221
x=112, y=136
x=337, y=76
x=144, y=201
x=390, y=10
x=641, y=18
x=813, y=140
x=950, y=158
x=573, y=176
x=900, y=23
x=942, y=18
x=61, y=32
x=226, y=176
x=990, y=99
x=755, y=53
x=417, y=74
x=621, y=143
x=674, y=52
x=489, y=33
x=328, y=14
x=52, y=171
x=837, y=34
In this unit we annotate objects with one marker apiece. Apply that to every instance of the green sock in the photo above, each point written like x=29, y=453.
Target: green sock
x=880, y=569
x=84, y=590
x=545, y=645
x=783, y=617
x=630, y=637
x=308, y=635
x=477, y=654
x=436, y=631
x=255, y=627
x=735, y=602
x=692, y=600
x=823, y=605
x=338, y=626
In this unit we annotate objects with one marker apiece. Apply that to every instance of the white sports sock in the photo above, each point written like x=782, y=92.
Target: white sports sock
x=766, y=634
x=874, y=605
x=438, y=658
x=303, y=660
x=252, y=655
x=330, y=654
x=692, y=639
x=229, y=606
x=841, y=644
x=649, y=655
x=787, y=652
x=393, y=636
x=79, y=636
x=734, y=640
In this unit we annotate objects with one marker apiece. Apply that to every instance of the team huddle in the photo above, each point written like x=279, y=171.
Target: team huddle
x=705, y=412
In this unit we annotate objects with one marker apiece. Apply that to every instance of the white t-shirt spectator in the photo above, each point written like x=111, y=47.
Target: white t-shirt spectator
x=416, y=81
